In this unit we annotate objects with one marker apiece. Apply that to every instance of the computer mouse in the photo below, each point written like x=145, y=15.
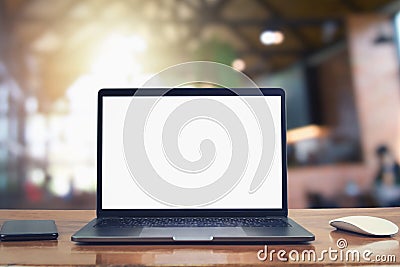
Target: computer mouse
x=366, y=225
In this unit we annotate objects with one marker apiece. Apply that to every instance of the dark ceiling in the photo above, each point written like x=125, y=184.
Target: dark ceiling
x=47, y=44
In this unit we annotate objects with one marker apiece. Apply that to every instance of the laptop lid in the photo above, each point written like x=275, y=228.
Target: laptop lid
x=191, y=152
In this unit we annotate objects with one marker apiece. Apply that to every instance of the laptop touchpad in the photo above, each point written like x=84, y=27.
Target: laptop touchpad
x=192, y=233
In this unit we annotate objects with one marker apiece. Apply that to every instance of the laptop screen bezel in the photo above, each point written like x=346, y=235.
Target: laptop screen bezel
x=117, y=92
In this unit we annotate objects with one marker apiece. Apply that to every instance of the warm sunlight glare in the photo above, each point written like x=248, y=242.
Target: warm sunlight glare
x=117, y=56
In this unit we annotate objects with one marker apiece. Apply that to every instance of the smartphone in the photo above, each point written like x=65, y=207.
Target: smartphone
x=22, y=230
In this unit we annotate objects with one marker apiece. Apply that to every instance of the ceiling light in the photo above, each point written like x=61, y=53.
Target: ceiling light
x=271, y=37
x=239, y=64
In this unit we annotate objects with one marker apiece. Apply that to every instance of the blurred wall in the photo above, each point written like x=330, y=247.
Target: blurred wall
x=375, y=76
x=375, y=69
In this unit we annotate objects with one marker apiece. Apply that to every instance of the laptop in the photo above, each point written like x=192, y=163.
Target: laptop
x=192, y=165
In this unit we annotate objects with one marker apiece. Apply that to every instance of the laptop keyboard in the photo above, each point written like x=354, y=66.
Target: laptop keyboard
x=192, y=222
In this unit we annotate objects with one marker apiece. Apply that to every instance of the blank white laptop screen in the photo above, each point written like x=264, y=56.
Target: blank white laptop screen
x=122, y=190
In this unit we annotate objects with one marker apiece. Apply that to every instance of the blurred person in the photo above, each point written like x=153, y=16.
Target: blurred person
x=387, y=179
x=46, y=187
x=71, y=190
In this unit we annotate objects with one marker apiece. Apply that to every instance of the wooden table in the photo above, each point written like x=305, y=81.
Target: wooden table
x=65, y=252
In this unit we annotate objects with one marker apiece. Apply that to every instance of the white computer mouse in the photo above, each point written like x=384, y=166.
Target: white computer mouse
x=366, y=225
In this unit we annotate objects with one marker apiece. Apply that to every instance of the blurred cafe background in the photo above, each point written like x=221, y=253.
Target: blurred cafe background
x=338, y=60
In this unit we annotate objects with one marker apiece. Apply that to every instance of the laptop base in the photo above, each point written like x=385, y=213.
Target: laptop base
x=197, y=235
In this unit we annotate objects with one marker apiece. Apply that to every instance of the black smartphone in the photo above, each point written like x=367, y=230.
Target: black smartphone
x=22, y=230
